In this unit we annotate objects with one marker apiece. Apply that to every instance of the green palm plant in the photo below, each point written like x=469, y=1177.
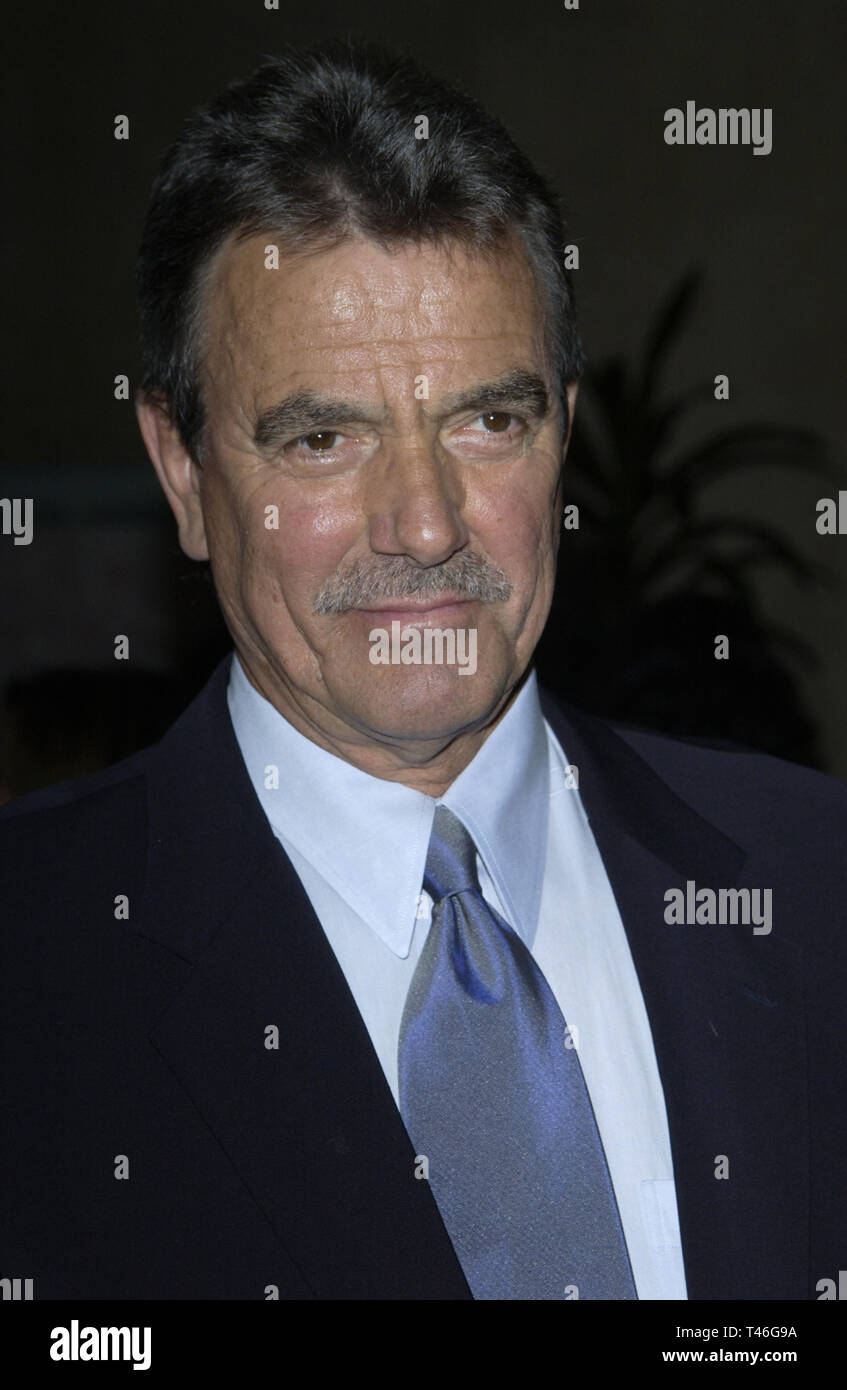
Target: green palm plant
x=652, y=576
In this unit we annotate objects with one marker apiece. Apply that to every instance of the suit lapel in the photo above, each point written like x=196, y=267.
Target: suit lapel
x=311, y=1125
x=724, y=1008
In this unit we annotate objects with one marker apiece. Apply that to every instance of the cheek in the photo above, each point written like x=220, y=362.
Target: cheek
x=299, y=541
x=515, y=529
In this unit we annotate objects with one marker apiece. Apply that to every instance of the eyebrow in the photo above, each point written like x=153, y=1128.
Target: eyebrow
x=519, y=388
x=306, y=410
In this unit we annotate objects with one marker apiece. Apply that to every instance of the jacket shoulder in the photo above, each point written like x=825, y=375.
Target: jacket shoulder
x=69, y=843
x=791, y=819
x=75, y=790
x=746, y=793
x=725, y=771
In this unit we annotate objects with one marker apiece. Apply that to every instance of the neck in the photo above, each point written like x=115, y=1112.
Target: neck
x=426, y=765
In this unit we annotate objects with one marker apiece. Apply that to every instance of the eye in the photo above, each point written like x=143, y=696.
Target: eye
x=496, y=421
x=492, y=434
x=319, y=440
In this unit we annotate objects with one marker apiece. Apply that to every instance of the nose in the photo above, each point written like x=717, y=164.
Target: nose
x=415, y=504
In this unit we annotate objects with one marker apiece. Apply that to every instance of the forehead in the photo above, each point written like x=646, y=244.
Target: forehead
x=359, y=310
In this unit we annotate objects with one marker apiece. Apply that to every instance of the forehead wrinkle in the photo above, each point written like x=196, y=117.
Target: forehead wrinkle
x=379, y=360
x=346, y=305
x=385, y=354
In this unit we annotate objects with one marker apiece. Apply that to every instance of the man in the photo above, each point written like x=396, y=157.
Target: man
x=382, y=975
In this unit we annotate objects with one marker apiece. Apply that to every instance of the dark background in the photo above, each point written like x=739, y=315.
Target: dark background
x=584, y=93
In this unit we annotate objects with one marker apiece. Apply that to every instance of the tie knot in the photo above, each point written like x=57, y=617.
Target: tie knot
x=451, y=858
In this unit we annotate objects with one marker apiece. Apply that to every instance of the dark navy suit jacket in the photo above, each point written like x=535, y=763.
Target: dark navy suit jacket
x=138, y=1044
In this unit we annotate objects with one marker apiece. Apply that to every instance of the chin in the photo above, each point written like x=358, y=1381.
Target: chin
x=425, y=702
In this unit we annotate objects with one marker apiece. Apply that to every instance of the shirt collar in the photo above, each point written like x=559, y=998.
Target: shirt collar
x=375, y=860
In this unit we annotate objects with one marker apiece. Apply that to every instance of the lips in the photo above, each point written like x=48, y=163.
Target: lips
x=395, y=609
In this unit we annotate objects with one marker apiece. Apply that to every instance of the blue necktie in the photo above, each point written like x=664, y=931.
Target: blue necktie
x=494, y=1098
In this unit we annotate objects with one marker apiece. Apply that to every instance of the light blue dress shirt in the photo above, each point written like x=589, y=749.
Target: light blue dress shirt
x=359, y=844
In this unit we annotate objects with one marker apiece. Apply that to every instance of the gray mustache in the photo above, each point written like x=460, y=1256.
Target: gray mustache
x=469, y=576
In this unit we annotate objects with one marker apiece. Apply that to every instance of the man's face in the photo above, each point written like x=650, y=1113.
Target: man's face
x=379, y=450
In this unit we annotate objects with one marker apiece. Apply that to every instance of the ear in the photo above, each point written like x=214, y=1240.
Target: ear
x=572, y=393
x=176, y=470
x=570, y=396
